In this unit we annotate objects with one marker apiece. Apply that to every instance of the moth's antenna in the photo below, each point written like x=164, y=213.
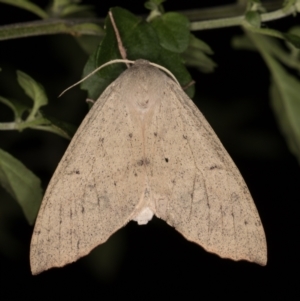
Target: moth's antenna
x=165, y=70
x=97, y=69
x=121, y=49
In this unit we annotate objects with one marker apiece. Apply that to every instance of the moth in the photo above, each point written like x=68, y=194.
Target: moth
x=145, y=149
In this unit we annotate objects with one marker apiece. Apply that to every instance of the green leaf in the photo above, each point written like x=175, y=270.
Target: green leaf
x=95, y=84
x=173, y=31
x=17, y=107
x=253, y=18
x=173, y=62
x=34, y=90
x=154, y=4
x=63, y=8
x=285, y=100
x=27, y=5
x=293, y=39
x=75, y=8
x=158, y=2
x=61, y=128
x=242, y=42
x=138, y=38
x=287, y=4
x=196, y=55
x=58, y=3
x=89, y=43
x=150, y=5
x=140, y=41
x=284, y=92
x=21, y=184
x=200, y=45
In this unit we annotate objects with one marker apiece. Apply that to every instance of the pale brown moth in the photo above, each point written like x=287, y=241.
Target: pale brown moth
x=145, y=149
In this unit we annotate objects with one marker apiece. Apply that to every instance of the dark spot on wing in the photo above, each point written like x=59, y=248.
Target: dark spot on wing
x=167, y=160
x=82, y=209
x=103, y=200
x=74, y=171
x=155, y=134
x=130, y=135
x=234, y=197
x=142, y=162
x=214, y=167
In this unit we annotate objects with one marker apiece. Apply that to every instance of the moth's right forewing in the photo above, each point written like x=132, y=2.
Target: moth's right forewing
x=198, y=188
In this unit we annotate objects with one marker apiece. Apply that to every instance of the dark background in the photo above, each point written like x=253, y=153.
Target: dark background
x=155, y=261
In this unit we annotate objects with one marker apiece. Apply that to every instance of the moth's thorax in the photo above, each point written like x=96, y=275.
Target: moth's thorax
x=145, y=84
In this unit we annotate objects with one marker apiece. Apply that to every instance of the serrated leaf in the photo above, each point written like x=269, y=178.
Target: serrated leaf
x=21, y=184
x=173, y=31
x=140, y=41
x=27, y=5
x=34, y=90
x=253, y=18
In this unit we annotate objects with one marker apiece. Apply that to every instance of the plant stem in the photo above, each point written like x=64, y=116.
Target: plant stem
x=8, y=126
x=74, y=27
x=236, y=21
x=201, y=19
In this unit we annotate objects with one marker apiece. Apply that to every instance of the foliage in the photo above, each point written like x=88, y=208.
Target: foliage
x=163, y=37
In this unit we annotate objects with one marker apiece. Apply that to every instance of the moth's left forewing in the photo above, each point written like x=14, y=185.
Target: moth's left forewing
x=197, y=187
x=89, y=196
